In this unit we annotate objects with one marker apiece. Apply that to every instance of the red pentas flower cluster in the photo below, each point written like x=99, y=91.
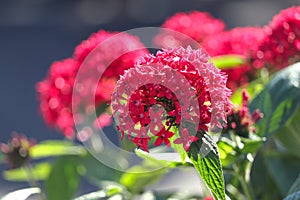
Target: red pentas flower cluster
x=241, y=41
x=281, y=44
x=196, y=25
x=189, y=90
x=239, y=118
x=98, y=57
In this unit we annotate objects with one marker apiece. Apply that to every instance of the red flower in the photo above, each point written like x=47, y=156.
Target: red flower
x=56, y=90
x=281, y=44
x=242, y=41
x=196, y=25
x=161, y=80
x=185, y=139
x=163, y=136
x=239, y=118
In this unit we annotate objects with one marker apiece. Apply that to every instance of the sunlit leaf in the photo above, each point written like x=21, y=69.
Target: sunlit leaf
x=289, y=135
x=226, y=152
x=137, y=177
x=278, y=101
x=63, y=180
x=55, y=148
x=39, y=172
x=205, y=157
x=228, y=61
x=22, y=194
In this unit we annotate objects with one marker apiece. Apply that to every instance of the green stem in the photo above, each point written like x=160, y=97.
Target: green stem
x=32, y=181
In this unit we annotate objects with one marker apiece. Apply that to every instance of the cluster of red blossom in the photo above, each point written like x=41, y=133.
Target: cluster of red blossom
x=132, y=105
x=55, y=91
x=240, y=120
x=274, y=46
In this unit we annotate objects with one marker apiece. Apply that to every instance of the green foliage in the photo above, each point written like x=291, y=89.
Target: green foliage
x=22, y=194
x=97, y=172
x=39, y=171
x=289, y=135
x=228, y=61
x=205, y=157
x=107, y=193
x=63, y=180
x=137, y=177
x=278, y=100
x=295, y=187
x=55, y=148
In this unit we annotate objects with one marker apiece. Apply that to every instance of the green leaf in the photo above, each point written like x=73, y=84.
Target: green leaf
x=38, y=172
x=253, y=88
x=295, y=187
x=1, y=157
x=22, y=194
x=294, y=196
x=251, y=145
x=205, y=157
x=228, y=61
x=55, y=148
x=289, y=135
x=108, y=192
x=226, y=151
x=96, y=171
x=278, y=101
x=139, y=176
x=63, y=180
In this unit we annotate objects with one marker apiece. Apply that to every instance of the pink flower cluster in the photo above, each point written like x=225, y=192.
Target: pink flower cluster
x=55, y=91
x=196, y=25
x=239, y=118
x=241, y=41
x=171, y=76
x=281, y=44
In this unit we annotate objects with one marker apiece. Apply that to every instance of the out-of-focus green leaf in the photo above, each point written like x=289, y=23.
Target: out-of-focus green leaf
x=205, y=157
x=228, y=61
x=289, y=135
x=22, y=194
x=251, y=145
x=38, y=172
x=283, y=168
x=295, y=187
x=278, y=101
x=293, y=196
x=262, y=181
x=55, y=148
x=108, y=193
x=139, y=176
x=97, y=172
x=1, y=157
x=253, y=88
x=226, y=151
x=63, y=180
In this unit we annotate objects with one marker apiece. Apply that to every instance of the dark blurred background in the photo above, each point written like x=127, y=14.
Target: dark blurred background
x=34, y=33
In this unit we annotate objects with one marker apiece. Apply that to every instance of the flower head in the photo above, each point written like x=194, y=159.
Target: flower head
x=16, y=151
x=281, y=44
x=55, y=92
x=240, y=120
x=242, y=41
x=182, y=81
x=196, y=25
